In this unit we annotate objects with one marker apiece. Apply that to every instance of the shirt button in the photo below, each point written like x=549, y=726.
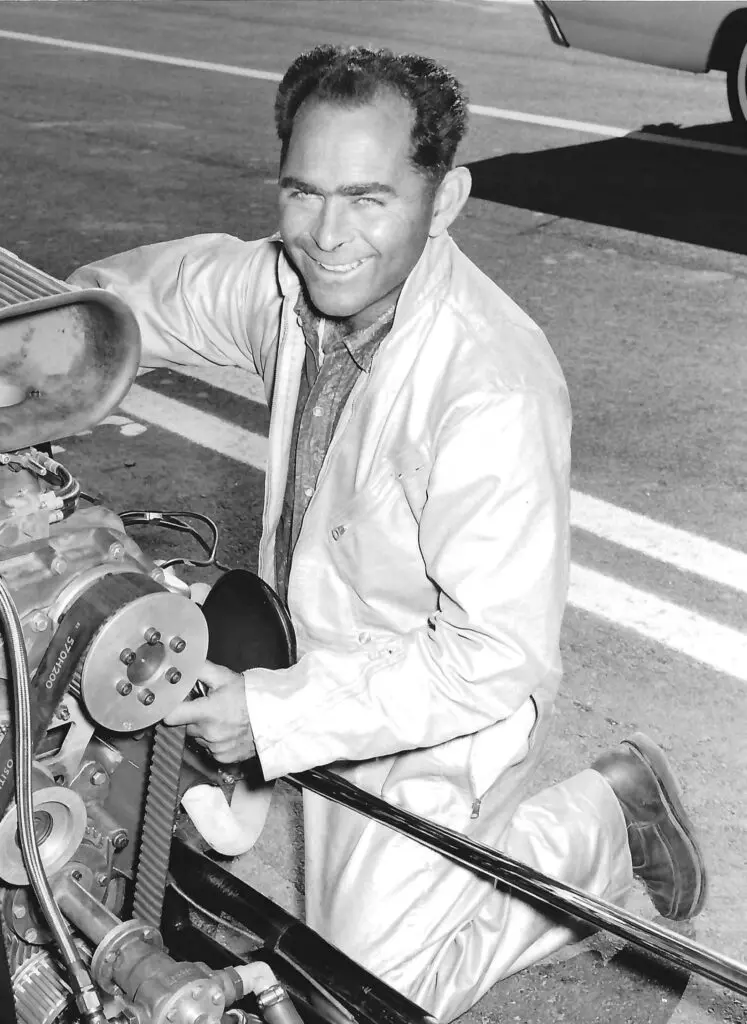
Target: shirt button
x=364, y=637
x=308, y=491
x=317, y=410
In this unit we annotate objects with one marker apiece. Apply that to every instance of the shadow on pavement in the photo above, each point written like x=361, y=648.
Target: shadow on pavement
x=673, y=191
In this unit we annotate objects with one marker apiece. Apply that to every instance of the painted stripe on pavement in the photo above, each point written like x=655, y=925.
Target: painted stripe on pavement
x=200, y=428
x=499, y=113
x=685, y=551
x=680, y=629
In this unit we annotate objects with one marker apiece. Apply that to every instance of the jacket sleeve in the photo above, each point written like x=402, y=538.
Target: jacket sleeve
x=494, y=538
x=207, y=298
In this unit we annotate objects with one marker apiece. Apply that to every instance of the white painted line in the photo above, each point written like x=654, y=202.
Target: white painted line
x=499, y=113
x=200, y=428
x=685, y=551
x=153, y=58
x=677, y=628
x=237, y=382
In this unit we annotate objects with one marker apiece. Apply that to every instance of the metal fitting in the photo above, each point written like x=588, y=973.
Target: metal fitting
x=116, y=551
x=127, y=656
x=39, y=622
x=152, y=636
x=173, y=676
x=146, y=697
x=98, y=777
x=31, y=935
x=58, y=565
x=177, y=644
x=124, y=687
x=62, y=713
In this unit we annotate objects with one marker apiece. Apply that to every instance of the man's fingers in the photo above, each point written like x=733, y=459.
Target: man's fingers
x=215, y=676
x=188, y=712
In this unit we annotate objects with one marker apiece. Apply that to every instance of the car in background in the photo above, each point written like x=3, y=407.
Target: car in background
x=692, y=35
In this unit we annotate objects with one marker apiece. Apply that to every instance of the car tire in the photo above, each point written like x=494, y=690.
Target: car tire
x=736, y=84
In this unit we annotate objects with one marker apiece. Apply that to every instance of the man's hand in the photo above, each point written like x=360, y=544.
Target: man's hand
x=219, y=721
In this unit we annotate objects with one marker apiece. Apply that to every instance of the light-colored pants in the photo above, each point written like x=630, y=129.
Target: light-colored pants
x=437, y=932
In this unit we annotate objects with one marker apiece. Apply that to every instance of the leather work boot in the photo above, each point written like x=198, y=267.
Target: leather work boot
x=663, y=846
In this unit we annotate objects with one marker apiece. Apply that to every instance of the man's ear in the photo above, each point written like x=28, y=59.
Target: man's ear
x=451, y=196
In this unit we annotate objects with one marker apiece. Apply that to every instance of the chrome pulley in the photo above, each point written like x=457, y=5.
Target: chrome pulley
x=144, y=656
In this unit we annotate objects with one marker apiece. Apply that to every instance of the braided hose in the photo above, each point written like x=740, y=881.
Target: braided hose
x=86, y=996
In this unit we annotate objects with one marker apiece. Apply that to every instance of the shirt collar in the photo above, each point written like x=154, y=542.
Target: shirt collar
x=361, y=345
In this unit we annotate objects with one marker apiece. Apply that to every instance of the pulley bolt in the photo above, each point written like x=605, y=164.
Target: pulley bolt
x=120, y=840
x=127, y=656
x=98, y=777
x=152, y=636
x=31, y=935
x=196, y=992
x=59, y=565
x=19, y=912
x=62, y=714
x=116, y=551
x=39, y=622
x=146, y=697
x=76, y=875
x=177, y=645
x=173, y=676
x=110, y=958
x=124, y=687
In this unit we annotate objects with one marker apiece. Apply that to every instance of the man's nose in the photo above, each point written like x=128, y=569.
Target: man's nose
x=332, y=226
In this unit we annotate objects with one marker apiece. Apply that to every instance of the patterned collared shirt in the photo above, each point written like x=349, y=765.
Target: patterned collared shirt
x=334, y=362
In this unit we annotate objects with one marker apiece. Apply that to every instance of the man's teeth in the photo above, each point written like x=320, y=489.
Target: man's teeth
x=342, y=268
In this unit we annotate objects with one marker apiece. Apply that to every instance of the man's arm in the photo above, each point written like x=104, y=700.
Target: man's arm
x=204, y=298
x=494, y=536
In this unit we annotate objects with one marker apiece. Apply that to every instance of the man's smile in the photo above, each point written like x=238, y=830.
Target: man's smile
x=340, y=268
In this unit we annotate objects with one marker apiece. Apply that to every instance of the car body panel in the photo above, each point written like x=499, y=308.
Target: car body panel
x=668, y=33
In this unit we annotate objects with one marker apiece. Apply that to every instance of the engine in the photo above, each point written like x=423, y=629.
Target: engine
x=99, y=643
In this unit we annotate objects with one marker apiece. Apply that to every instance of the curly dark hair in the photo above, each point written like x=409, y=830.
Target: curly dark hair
x=353, y=75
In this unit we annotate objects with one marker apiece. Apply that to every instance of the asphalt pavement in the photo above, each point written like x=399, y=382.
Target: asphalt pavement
x=608, y=201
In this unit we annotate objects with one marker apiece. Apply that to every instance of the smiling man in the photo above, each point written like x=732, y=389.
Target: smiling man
x=416, y=524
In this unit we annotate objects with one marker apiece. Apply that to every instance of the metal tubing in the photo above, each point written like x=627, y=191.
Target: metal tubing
x=496, y=866
x=89, y=915
x=366, y=998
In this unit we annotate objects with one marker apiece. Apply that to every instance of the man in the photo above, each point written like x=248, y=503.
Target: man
x=416, y=523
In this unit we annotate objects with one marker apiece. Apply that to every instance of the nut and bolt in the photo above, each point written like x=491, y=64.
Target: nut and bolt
x=173, y=676
x=98, y=777
x=62, y=714
x=152, y=636
x=19, y=912
x=39, y=622
x=76, y=875
x=146, y=697
x=127, y=656
x=116, y=551
x=59, y=565
x=124, y=687
x=217, y=997
x=177, y=644
x=110, y=958
x=196, y=992
x=120, y=840
x=31, y=935
x=101, y=878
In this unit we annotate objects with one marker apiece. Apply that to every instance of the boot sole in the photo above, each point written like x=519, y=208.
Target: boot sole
x=669, y=791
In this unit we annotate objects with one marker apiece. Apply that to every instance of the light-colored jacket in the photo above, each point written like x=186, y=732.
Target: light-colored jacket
x=430, y=575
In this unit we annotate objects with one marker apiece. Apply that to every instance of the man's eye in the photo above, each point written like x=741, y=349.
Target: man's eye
x=368, y=201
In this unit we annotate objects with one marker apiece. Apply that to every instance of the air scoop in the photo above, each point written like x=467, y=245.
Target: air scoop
x=68, y=355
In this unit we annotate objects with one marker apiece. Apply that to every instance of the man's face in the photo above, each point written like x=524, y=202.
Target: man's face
x=354, y=213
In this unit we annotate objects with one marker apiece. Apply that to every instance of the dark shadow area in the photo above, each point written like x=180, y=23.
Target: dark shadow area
x=673, y=191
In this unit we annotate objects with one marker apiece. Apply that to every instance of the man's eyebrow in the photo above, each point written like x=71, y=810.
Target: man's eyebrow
x=363, y=189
